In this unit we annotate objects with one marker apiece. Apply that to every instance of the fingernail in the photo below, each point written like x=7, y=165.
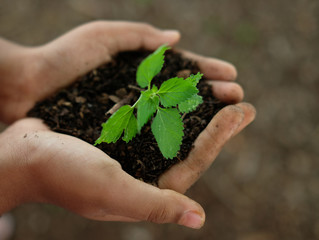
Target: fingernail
x=192, y=219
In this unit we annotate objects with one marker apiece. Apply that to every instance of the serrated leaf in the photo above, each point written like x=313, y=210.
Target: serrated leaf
x=115, y=125
x=146, y=107
x=190, y=104
x=131, y=129
x=150, y=66
x=194, y=78
x=175, y=91
x=167, y=128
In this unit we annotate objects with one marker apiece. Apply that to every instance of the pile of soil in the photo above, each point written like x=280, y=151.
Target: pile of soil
x=80, y=109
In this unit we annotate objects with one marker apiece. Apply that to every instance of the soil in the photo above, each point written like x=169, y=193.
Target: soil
x=80, y=109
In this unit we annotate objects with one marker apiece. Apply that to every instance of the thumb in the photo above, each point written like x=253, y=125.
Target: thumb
x=90, y=45
x=206, y=148
x=227, y=123
x=132, y=198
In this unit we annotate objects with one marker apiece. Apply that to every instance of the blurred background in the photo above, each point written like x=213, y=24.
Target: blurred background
x=265, y=183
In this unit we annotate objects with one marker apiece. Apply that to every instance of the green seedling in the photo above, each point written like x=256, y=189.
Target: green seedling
x=176, y=96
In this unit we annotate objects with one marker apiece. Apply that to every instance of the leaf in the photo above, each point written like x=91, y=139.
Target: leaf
x=154, y=89
x=194, y=78
x=175, y=91
x=150, y=66
x=131, y=129
x=146, y=107
x=167, y=128
x=116, y=124
x=190, y=104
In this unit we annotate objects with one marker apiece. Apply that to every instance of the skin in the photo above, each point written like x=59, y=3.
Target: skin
x=38, y=165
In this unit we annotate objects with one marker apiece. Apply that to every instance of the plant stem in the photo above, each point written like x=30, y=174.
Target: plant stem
x=137, y=101
x=124, y=101
x=135, y=87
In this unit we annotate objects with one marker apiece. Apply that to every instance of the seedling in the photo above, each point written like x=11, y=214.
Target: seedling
x=174, y=97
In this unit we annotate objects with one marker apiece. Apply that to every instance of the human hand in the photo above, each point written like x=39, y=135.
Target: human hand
x=227, y=123
x=31, y=74
x=38, y=165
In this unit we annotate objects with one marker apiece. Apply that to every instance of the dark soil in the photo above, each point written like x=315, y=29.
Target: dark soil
x=80, y=109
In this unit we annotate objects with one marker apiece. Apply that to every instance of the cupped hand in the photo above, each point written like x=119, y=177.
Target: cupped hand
x=68, y=172
x=33, y=73
x=226, y=124
x=48, y=167
x=39, y=165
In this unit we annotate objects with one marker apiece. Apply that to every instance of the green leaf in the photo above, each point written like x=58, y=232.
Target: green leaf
x=154, y=89
x=146, y=107
x=175, y=91
x=167, y=128
x=190, y=104
x=131, y=129
x=194, y=78
x=150, y=66
x=116, y=124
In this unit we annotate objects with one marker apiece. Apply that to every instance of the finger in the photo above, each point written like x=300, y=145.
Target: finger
x=227, y=92
x=136, y=200
x=115, y=218
x=128, y=36
x=213, y=68
x=207, y=146
x=250, y=115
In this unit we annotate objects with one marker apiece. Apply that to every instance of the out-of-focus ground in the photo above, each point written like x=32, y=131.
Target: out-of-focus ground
x=265, y=183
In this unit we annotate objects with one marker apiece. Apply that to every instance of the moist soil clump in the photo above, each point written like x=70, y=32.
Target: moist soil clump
x=80, y=109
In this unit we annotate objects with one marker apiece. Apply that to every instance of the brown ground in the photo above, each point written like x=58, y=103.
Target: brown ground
x=265, y=183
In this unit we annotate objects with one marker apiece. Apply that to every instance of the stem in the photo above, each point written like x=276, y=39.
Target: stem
x=120, y=103
x=135, y=87
x=137, y=101
x=184, y=115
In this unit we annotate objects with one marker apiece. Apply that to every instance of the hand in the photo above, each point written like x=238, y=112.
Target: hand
x=227, y=123
x=68, y=172
x=31, y=74
x=38, y=165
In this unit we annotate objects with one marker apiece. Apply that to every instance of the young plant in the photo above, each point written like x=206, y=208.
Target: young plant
x=174, y=97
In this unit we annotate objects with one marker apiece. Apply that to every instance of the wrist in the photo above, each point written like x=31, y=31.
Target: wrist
x=16, y=183
x=19, y=71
